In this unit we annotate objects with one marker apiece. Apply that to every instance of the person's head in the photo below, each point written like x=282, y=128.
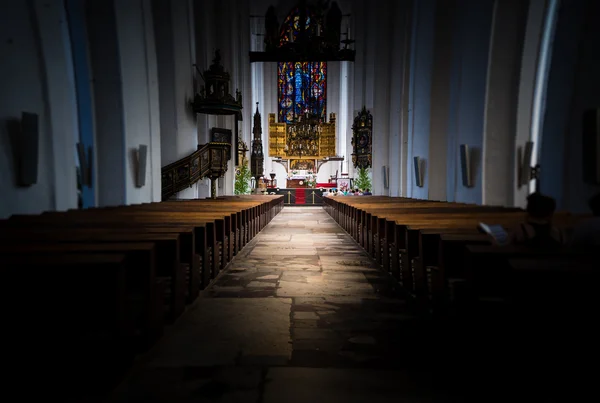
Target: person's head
x=540, y=206
x=367, y=189
x=594, y=204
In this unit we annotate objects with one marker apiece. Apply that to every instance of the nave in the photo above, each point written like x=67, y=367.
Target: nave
x=304, y=315
x=300, y=315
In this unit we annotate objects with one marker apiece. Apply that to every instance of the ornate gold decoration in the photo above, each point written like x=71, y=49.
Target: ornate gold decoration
x=317, y=139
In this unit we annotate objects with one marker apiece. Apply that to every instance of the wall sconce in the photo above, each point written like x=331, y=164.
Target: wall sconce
x=419, y=171
x=385, y=172
x=141, y=162
x=524, y=168
x=465, y=165
x=85, y=164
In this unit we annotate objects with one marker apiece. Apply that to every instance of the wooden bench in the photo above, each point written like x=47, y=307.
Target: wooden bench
x=68, y=309
x=421, y=243
x=162, y=252
x=169, y=254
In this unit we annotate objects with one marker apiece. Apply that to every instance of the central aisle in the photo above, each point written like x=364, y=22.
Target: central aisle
x=300, y=315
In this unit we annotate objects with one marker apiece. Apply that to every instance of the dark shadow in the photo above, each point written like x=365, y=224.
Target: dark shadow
x=13, y=132
x=476, y=166
x=134, y=164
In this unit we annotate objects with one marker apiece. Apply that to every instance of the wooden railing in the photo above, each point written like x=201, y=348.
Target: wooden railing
x=208, y=161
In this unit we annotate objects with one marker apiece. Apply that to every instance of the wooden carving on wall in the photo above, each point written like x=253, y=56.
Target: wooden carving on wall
x=362, y=139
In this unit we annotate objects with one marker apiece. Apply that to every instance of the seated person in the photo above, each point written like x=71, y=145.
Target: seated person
x=537, y=231
x=367, y=192
x=587, y=233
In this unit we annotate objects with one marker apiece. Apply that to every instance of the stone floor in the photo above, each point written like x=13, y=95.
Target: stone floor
x=301, y=315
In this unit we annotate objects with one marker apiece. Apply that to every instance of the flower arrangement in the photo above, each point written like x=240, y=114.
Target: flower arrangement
x=311, y=181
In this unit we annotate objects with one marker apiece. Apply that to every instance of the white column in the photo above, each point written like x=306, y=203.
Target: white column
x=62, y=104
x=529, y=64
x=506, y=46
x=135, y=93
x=154, y=148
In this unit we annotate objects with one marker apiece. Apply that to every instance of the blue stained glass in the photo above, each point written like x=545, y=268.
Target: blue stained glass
x=301, y=86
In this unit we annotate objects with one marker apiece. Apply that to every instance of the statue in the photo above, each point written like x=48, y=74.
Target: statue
x=271, y=29
x=217, y=59
x=238, y=96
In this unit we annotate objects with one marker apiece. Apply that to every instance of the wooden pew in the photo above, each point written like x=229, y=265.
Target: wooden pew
x=141, y=277
x=68, y=309
x=93, y=264
x=396, y=225
x=486, y=266
x=169, y=254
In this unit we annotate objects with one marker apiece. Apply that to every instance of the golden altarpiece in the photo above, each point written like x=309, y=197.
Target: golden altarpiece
x=298, y=154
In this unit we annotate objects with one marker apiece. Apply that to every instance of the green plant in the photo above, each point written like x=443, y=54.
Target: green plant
x=242, y=179
x=363, y=181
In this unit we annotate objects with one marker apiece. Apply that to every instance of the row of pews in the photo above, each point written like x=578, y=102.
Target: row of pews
x=85, y=291
x=437, y=255
x=498, y=320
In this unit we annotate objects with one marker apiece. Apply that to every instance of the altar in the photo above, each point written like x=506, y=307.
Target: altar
x=296, y=183
x=301, y=179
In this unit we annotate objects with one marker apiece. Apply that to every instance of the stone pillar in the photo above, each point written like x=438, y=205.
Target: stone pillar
x=175, y=71
x=138, y=87
x=110, y=153
x=506, y=47
x=529, y=65
x=55, y=47
x=422, y=42
x=469, y=81
x=440, y=98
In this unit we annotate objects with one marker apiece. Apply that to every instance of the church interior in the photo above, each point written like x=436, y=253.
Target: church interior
x=300, y=200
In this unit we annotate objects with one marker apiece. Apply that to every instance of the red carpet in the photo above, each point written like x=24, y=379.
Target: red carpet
x=300, y=196
x=326, y=185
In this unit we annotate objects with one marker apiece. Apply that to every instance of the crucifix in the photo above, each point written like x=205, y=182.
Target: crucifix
x=243, y=150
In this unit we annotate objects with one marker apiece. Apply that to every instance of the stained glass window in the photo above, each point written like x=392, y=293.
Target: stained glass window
x=302, y=86
x=291, y=26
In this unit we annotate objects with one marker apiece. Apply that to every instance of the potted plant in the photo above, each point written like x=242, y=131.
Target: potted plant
x=243, y=176
x=363, y=181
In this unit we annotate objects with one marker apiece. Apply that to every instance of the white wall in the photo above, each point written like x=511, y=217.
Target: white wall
x=36, y=71
x=174, y=34
x=506, y=48
x=136, y=65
